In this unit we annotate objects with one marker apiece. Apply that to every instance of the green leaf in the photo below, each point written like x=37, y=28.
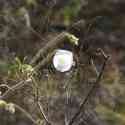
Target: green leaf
x=73, y=39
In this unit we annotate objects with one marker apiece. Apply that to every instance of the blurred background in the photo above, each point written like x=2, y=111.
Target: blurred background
x=27, y=25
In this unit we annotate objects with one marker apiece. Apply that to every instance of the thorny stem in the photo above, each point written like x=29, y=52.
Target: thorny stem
x=82, y=106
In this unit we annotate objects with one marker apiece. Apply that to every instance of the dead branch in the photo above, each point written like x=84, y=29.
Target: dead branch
x=14, y=88
x=82, y=106
x=44, y=61
x=43, y=114
x=39, y=105
x=26, y=113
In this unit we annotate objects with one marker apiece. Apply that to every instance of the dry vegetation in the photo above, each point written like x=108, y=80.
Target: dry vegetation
x=32, y=92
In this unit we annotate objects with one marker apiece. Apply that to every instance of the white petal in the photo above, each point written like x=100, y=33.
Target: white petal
x=63, y=60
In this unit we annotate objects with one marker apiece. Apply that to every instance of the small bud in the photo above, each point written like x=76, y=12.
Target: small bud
x=10, y=107
x=74, y=40
x=2, y=104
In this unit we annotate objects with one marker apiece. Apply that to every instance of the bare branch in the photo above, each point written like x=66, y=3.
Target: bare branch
x=38, y=102
x=4, y=85
x=51, y=45
x=14, y=88
x=82, y=106
x=43, y=114
x=26, y=113
x=94, y=67
x=44, y=61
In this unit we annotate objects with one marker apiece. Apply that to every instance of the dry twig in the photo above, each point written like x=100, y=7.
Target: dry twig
x=26, y=113
x=49, y=47
x=82, y=106
x=43, y=114
x=14, y=88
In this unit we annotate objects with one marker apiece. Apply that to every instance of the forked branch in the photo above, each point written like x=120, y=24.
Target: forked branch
x=82, y=106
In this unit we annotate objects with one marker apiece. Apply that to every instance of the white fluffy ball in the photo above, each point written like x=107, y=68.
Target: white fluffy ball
x=63, y=60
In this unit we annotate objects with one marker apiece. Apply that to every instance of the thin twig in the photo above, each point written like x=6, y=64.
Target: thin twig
x=38, y=102
x=4, y=85
x=94, y=67
x=43, y=114
x=26, y=113
x=50, y=46
x=44, y=62
x=101, y=52
x=82, y=106
x=15, y=87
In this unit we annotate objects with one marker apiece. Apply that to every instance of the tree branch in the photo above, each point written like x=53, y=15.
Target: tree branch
x=26, y=113
x=51, y=45
x=43, y=114
x=43, y=62
x=14, y=88
x=82, y=106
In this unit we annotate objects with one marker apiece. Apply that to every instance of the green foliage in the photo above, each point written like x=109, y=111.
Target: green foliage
x=71, y=10
x=120, y=107
x=3, y=104
x=53, y=84
x=111, y=116
x=18, y=68
x=72, y=39
x=10, y=107
x=7, y=106
x=3, y=67
x=31, y=2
